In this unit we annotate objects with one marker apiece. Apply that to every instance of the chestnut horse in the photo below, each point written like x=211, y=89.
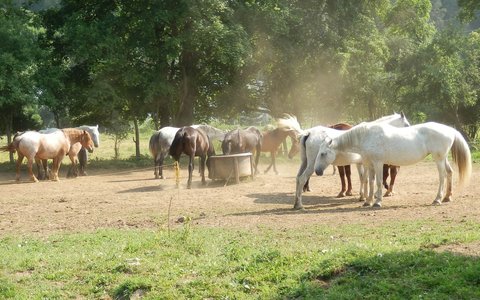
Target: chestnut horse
x=271, y=141
x=77, y=154
x=193, y=142
x=243, y=141
x=37, y=146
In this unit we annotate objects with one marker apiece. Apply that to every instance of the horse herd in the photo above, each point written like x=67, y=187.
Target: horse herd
x=376, y=148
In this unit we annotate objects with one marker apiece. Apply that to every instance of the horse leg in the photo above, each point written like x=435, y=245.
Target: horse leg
x=306, y=187
x=371, y=180
x=303, y=177
x=441, y=176
x=274, y=164
x=19, y=163
x=448, y=193
x=393, y=175
x=160, y=165
x=334, y=170
x=272, y=157
x=257, y=158
x=203, y=159
x=386, y=168
x=40, y=173
x=46, y=170
x=348, y=174
x=155, y=166
x=341, y=172
x=56, y=167
x=363, y=182
x=190, y=170
x=378, y=180
x=30, y=166
x=82, y=162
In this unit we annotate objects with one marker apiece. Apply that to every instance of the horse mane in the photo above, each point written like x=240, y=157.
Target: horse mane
x=350, y=138
x=176, y=141
x=290, y=122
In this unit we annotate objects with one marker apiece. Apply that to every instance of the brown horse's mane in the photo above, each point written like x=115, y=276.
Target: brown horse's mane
x=73, y=134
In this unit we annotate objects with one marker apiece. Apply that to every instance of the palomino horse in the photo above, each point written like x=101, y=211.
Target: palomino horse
x=193, y=142
x=380, y=144
x=37, y=146
x=161, y=140
x=271, y=141
x=314, y=138
x=243, y=141
x=77, y=154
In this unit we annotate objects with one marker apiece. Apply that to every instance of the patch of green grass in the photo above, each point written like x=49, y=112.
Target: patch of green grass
x=350, y=262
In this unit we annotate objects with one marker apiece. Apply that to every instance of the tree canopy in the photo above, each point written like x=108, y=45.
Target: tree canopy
x=186, y=61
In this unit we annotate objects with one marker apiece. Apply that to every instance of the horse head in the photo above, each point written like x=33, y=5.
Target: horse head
x=86, y=141
x=326, y=155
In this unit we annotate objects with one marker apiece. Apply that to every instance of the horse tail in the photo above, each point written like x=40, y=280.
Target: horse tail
x=153, y=144
x=9, y=148
x=461, y=156
x=303, y=147
x=227, y=146
x=290, y=122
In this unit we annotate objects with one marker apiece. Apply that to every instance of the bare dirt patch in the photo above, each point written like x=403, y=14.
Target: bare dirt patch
x=134, y=199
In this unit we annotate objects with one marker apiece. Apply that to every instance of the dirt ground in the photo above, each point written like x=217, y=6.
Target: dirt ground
x=122, y=199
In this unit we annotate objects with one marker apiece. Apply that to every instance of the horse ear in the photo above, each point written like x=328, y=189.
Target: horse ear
x=328, y=140
x=402, y=115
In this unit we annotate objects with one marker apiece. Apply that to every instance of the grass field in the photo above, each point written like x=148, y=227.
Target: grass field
x=399, y=260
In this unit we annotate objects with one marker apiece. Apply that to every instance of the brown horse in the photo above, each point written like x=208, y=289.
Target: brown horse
x=393, y=170
x=193, y=142
x=37, y=146
x=271, y=141
x=242, y=141
x=345, y=172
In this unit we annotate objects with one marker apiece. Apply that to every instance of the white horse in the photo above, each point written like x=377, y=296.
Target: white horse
x=312, y=140
x=380, y=144
x=161, y=140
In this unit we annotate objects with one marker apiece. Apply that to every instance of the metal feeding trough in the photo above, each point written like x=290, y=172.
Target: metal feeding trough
x=224, y=167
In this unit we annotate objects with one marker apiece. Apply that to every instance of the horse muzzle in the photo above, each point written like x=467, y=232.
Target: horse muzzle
x=319, y=172
x=90, y=149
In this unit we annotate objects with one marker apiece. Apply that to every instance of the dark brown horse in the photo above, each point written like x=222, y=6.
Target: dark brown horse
x=242, y=141
x=345, y=172
x=393, y=170
x=271, y=141
x=193, y=142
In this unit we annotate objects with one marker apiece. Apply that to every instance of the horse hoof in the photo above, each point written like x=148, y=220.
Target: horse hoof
x=340, y=195
x=446, y=199
x=388, y=194
x=436, y=202
x=376, y=204
x=298, y=207
x=366, y=204
x=349, y=193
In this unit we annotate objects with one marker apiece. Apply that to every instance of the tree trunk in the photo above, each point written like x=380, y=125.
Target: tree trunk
x=137, y=139
x=188, y=92
x=8, y=131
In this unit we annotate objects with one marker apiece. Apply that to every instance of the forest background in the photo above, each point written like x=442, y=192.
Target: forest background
x=65, y=63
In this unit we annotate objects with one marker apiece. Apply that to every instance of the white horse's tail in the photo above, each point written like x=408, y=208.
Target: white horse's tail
x=289, y=122
x=462, y=158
